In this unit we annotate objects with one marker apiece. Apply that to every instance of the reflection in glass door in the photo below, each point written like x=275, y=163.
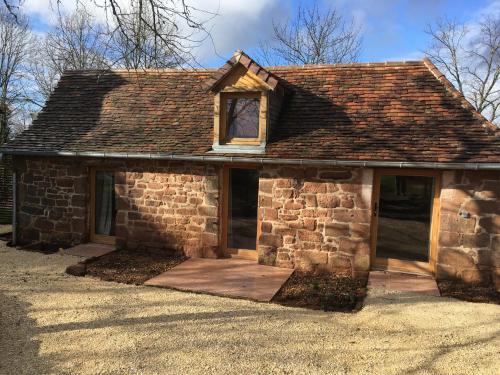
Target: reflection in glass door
x=103, y=207
x=404, y=217
x=242, y=209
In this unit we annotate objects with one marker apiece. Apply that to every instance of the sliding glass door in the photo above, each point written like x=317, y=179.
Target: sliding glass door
x=404, y=207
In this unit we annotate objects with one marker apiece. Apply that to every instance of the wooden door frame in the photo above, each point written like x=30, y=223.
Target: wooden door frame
x=224, y=212
x=97, y=238
x=404, y=265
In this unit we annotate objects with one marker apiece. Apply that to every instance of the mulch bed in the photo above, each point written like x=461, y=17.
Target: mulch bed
x=470, y=293
x=44, y=248
x=131, y=267
x=322, y=291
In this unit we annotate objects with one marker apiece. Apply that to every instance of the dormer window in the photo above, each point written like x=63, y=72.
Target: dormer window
x=241, y=117
x=247, y=102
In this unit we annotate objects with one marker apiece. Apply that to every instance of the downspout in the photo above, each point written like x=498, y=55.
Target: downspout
x=14, y=208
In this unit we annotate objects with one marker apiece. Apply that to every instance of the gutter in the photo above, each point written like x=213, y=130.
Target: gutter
x=257, y=160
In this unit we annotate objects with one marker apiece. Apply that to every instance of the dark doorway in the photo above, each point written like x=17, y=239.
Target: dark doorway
x=243, y=190
x=404, y=217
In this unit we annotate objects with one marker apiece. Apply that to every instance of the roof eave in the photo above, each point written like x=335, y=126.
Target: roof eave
x=261, y=160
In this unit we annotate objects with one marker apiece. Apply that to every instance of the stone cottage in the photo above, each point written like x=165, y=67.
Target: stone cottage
x=341, y=168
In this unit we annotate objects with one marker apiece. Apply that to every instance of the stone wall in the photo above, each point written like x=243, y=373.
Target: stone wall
x=52, y=195
x=469, y=231
x=160, y=205
x=309, y=218
x=315, y=218
x=168, y=206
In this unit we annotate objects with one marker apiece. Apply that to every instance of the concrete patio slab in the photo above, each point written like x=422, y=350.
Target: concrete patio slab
x=89, y=250
x=402, y=282
x=232, y=277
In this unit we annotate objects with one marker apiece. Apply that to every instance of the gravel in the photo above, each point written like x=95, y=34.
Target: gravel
x=54, y=323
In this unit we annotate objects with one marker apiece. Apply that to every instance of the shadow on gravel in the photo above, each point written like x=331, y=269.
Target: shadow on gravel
x=19, y=351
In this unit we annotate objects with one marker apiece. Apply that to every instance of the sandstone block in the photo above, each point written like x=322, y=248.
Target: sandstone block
x=491, y=224
x=306, y=235
x=309, y=224
x=359, y=230
x=266, y=227
x=310, y=200
x=269, y=213
x=475, y=276
x=208, y=211
x=361, y=262
x=456, y=258
x=266, y=186
x=314, y=187
x=455, y=223
x=273, y=240
x=482, y=207
x=476, y=240
x=79, y=269
x=495, y=243
x=327, y=200
x=305, y=258
x=265, y=201
x=339, y=262
x=336, y=229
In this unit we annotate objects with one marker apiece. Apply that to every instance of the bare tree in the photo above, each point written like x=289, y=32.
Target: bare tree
x=173, y=25
x=135, y=47
x=14, y=49
x=470, y=58
x=313, y=36
x=76, y=42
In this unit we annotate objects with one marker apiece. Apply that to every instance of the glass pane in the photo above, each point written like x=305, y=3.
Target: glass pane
x=105, y=211
x=243, y=117
x=404, y=217
x=242, y=210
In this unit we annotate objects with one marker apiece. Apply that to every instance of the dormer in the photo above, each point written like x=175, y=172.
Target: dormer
x=247, y=100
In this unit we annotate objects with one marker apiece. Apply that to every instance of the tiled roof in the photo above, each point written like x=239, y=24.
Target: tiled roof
x=242, y=58
x=383, y=111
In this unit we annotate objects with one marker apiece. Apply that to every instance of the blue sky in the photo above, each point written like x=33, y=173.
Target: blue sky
x=392, y=29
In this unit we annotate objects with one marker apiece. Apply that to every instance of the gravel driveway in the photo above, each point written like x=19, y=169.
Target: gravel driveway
x=52, y=323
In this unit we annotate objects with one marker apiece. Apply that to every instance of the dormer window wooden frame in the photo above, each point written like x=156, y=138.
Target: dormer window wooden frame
x=241, y=77
x=225, y=137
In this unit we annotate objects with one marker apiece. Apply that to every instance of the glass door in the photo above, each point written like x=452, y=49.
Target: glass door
x=242, y=187
x=403, y=218
x=103, y=208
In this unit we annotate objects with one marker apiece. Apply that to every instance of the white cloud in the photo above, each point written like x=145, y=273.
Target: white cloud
x=238, y=23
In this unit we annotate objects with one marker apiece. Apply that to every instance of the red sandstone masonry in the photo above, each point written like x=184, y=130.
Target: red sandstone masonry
x=309, y=218
x=168, y=207
x=469, y=234
x=52, y=198
x=315, y=218
x=160, y=205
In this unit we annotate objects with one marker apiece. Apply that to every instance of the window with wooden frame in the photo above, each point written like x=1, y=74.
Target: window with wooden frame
x=241, y=120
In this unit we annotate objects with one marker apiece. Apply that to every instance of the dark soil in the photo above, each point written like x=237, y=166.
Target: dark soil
x=45, y=248
x=470, y=293
x=131, y=267
x=322, y=291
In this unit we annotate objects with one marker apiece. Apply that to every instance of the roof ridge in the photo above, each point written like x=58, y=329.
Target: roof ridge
x=240, y=57
x=349, y=65
x=458, y=95
x=153, y=70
